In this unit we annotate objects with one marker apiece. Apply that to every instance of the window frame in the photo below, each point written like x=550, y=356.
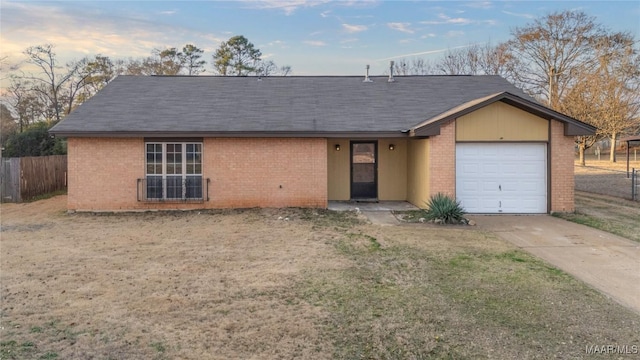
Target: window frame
x=190, y=171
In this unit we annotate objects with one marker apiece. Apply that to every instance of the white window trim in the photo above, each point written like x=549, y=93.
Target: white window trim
x=183, y=175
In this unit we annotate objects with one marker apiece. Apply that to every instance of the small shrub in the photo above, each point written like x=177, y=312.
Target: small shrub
x=445, y=209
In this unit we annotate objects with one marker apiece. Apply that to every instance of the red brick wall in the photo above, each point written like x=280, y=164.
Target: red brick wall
x=267, y=172
x=244, y=173
x=102, y=173
x=562, y=178
x=442, y=161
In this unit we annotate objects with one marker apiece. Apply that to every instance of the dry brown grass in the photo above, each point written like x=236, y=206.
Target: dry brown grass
x=253, y=285
x=188, y=285
x=605, y=178
x=611, y=214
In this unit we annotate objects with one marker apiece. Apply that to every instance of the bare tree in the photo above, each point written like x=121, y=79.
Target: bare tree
x=88, y=76
x=51, y=82
x=617, y=82
x=545, y=55
x=269, y=68
x=417, y=66
x=28, y=104
x=472, y=60
x=8, y=124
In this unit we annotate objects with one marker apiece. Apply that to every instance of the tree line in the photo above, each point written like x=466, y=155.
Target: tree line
x=565, y=60
x=37, y=102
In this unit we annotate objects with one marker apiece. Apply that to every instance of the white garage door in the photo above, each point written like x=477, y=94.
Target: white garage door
x=502, y=178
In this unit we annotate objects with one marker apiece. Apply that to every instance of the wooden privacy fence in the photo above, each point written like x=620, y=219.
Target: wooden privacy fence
x=28, y=177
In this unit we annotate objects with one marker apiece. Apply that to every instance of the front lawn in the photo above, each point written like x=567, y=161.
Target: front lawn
x=291, y=283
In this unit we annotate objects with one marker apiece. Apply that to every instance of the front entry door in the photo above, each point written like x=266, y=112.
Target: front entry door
x=364, y=170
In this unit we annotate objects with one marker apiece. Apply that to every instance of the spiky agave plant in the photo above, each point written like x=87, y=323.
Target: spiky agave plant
x=445, y=208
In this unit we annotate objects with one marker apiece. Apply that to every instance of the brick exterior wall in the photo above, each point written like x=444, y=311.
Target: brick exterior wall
x=442, y=161
x=267, y=172
x=562, y=177
x=247, y=172
x=102, y=173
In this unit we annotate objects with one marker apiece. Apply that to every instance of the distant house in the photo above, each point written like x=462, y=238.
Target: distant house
x=224, y=142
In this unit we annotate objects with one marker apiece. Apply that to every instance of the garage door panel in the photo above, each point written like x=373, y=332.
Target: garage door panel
x=470, y=186
x=510, y=169
x=502, y=178
x=471, y=169
x=490, y=169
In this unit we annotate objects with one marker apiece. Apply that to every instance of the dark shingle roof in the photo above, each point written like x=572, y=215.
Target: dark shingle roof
x=162, y=105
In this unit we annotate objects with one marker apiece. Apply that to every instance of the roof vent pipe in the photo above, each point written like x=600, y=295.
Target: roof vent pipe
x=366, y=77
x=391, y=79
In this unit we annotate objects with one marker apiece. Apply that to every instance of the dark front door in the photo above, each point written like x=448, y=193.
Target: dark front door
x=364, y=170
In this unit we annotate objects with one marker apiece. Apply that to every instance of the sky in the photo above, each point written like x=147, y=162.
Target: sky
x=314, y=37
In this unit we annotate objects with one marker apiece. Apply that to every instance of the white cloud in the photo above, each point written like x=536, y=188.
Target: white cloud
x=76, y=32
x=288, y=6
x=350, y=40
x=454, y=33
x=168, y=12
x=480, y=4
x=429, y=35
x=403, y=27
x=354, y=28
x=522, y=15
x=325, y=14
x=447, y=20
x=315, y=43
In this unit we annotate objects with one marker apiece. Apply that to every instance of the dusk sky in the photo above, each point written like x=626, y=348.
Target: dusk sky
x=314, y=37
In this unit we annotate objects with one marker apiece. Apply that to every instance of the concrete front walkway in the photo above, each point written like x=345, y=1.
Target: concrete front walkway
x=379, y=213
x=607, y=262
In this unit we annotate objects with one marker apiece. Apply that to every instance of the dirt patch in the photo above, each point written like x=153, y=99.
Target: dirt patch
x=603, y=177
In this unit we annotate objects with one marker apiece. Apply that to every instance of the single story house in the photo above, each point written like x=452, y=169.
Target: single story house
x=188, y=142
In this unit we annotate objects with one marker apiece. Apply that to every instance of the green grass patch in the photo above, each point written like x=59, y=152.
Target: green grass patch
x=49, y=355
x=36, y=329
x=159, y=347
x=610, y=225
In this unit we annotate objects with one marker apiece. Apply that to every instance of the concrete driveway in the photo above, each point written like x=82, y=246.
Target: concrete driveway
x=607, y=262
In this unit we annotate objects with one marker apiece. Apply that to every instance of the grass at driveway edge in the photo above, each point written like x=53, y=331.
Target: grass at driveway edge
x=604, y=224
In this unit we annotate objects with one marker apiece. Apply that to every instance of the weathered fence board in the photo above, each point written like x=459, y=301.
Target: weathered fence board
x=10, y=180
x=27, y=177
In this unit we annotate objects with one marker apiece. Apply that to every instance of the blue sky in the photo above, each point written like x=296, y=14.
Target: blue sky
x=315, y=37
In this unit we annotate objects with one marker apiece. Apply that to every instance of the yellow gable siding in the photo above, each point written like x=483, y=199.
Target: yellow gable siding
x=501, y=122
